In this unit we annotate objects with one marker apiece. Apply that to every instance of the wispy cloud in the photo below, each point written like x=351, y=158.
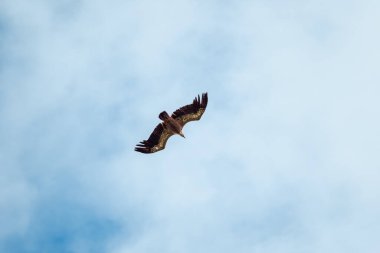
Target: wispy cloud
x=285, y=158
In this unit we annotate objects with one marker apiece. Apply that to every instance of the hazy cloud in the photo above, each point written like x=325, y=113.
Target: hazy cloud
x=284, y=160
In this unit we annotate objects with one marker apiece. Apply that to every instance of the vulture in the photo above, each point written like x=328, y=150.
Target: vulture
x=173, y=124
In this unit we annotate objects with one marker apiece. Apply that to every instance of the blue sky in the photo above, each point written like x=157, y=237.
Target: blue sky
x=285, y=158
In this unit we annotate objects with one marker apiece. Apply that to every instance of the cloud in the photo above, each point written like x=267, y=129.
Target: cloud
x=284, y=159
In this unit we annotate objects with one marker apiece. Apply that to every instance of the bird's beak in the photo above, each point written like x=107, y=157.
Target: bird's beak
x=182, y=135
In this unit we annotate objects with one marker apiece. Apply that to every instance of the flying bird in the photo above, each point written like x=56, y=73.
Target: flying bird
x=172, y=125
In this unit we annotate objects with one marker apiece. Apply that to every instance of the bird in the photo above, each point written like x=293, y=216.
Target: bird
x=172, y=125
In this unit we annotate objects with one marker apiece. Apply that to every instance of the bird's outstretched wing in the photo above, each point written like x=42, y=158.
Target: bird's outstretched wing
x=192, y=111
x=156, y=141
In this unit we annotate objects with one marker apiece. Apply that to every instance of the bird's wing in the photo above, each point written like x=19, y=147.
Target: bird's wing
x=192, y=111
x=156, y=141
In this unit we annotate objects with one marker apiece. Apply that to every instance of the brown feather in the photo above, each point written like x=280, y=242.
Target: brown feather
x=156, y=141
x=192, y=111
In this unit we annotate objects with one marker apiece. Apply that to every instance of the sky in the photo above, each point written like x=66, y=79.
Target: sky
x=285, y=158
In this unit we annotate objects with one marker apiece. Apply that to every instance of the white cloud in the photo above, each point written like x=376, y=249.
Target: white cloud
x=285, y=158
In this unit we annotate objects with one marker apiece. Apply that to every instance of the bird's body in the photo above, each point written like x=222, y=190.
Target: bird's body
x=173, y=125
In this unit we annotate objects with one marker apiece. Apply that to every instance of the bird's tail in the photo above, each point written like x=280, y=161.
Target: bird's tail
x=163, y=115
